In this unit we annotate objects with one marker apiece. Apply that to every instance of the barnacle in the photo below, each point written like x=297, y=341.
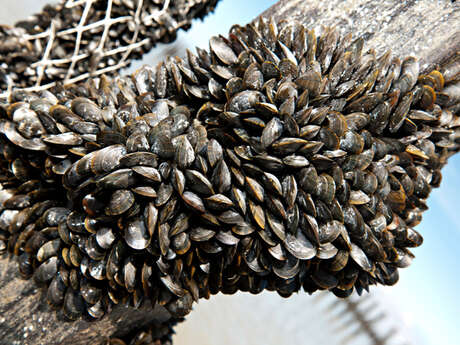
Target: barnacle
x=278, y=160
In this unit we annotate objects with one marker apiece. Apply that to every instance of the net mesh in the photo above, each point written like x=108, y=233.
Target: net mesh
x=76, y=39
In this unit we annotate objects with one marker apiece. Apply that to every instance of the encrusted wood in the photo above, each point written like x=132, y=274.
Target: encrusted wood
x=425, y=29
x=26, y=318
x=428, y=30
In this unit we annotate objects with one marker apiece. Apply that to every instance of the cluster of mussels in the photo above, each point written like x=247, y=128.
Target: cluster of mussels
x=278, y=160
x=127, y=24
x=156, y=334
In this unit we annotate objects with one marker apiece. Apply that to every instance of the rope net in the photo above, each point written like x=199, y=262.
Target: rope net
x=76, y=39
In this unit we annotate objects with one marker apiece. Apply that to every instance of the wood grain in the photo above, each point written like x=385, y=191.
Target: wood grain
x=428, y=30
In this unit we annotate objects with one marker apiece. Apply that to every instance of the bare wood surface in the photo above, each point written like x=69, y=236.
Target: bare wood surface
x=427, y=29
x=26, y=318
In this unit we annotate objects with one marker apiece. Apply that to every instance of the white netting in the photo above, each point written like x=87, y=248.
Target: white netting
x=76, y=39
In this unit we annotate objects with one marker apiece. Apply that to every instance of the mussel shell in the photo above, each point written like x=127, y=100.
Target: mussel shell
x=120, y=202
x=136, y=235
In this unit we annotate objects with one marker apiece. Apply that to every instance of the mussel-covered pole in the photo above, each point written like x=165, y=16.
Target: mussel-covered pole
x=282, y=159
x=73, y=40
x=428, y=30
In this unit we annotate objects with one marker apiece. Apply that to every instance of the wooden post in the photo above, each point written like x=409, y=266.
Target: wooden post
x=427, y=29
x=26, y=318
